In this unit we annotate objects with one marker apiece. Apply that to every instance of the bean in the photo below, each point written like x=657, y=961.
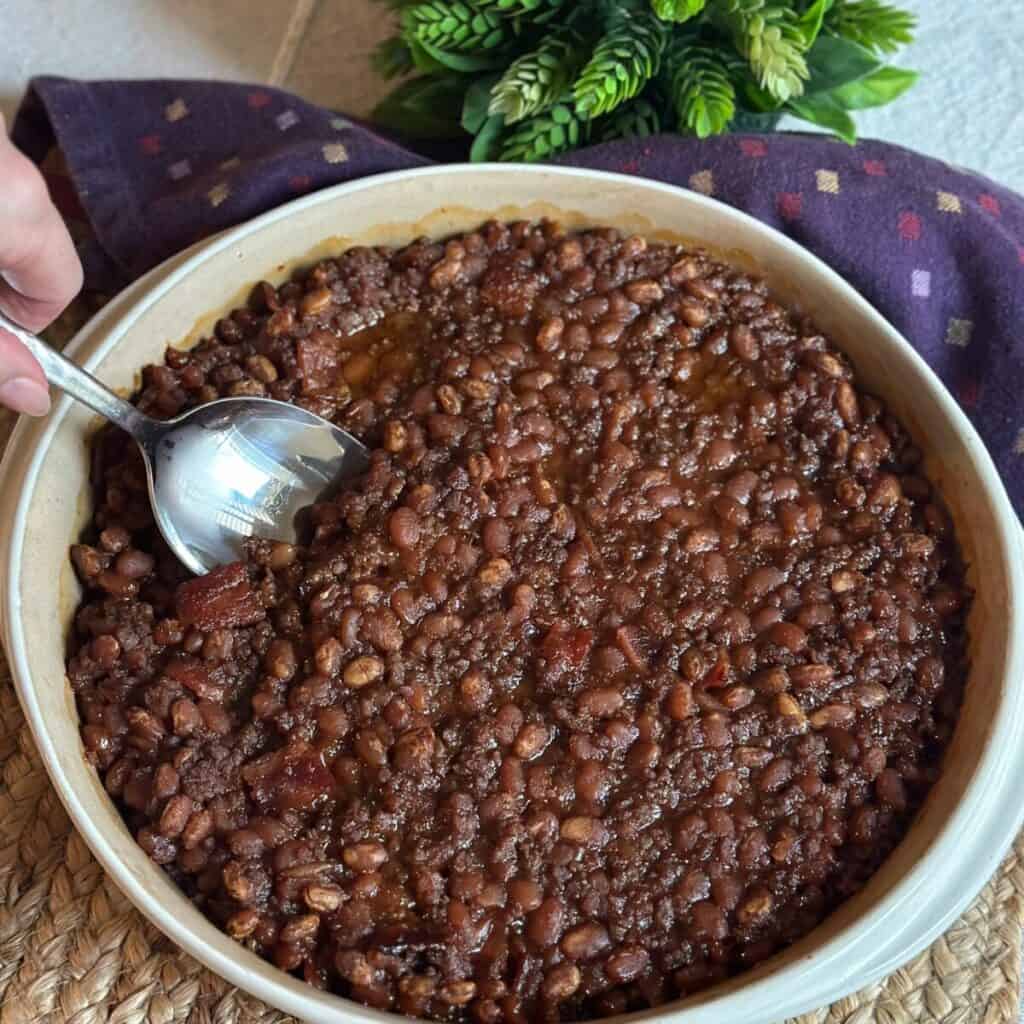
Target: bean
x=531, y=740
x=114, y=539
x=763, y=581
x=737, y=697
x=404, y=528
x=364, y=857
x=679, y=704
x=88, y=561
x=644, y=292
x=315, y=302
x=544, y=924
x=866, y=695
x=744, y=342
x=816, y=614
x=863, y=825
x=549, y=334
x=585, y=941
x=626, y=964
x=788, y=707
x=788, y=635
x=495, y=573
x=804, y=677
x=328, y=657
x=175, y=816
x=582, y=830
x=362, y=671
x=383, y=629
x=771, y=680
x=561, y=982
x=684, y=269
x=602, y=702
x=241, y=925
x=843, y=581
x=525, y=894
x=847, y=403
x=703, y=538
x=237, y=885
x=826, y=363
x=891, y=790
x=721, y=453
x=457, y=993
x=134, y=565
x=165, y=782
x=775, y=775
x=370, y=748
x=708, y=921
x=414, y=749
x=756, y=907
x=832, y=715
x=300, y=929
x=702, y=289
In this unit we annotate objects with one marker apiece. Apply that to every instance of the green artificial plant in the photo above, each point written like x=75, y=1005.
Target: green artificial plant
x=526, y=79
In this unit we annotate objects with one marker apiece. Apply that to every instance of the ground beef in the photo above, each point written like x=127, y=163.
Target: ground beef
x=630, y=657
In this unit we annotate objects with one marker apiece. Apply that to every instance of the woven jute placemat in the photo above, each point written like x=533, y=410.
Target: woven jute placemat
x=73, y=950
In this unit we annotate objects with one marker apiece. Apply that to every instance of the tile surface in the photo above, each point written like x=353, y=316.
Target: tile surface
x=236, y=39
x=331, y=66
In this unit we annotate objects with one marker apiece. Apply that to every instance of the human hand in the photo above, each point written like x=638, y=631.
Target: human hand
x=40, y=273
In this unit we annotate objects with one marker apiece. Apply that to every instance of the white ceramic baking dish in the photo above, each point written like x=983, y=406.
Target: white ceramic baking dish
x=973, y=812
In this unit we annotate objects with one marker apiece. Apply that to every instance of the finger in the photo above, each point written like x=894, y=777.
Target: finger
x=40, y=270
x=22, y=384
x=38, y=281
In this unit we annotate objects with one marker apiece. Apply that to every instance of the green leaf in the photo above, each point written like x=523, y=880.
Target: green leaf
x=702, y=92
x=487, y=144
x=423, y=108
x=826, y=113
x=556, y=129
x=454, y=34
x=833, y=62
x=623, y=61
x=878, y=26
x=538, y=78
x=875, y=90
x=392, y=57
x=771, y=40
x=636, y=119
x=757, y=99
x=476, y=102
x=677, y=10
x=464, y=63
x=537, y=11
x=422, y=61
x=809, y=23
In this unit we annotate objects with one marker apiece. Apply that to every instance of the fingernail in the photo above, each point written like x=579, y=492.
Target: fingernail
x=22, y=394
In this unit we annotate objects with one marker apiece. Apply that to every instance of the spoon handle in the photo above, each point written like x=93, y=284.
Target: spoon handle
x=79, y=384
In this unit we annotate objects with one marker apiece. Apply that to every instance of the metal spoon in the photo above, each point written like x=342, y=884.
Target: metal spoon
x=222, y=472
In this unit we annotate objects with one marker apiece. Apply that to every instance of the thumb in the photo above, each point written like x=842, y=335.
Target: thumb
x=22, y=384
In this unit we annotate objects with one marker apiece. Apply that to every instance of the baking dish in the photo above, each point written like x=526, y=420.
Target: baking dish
x=969, y=819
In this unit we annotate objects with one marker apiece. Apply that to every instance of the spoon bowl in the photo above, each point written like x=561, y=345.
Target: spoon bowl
x=239, y=468
x=225, y=471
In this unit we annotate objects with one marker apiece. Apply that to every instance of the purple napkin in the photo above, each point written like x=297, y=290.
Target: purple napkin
x=150, y=167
